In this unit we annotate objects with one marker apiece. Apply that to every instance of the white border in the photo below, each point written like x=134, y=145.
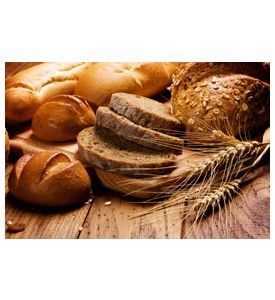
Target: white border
x=135, y=31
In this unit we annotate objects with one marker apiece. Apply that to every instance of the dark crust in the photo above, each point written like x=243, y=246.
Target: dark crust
x=145, y=112
x=241, y=102
x=147, y=137
x=238, y=102
x=99, y=147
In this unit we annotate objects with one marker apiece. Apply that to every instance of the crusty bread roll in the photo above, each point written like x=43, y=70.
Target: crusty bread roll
x=28, y=89
x=233, y=97
x=7, y=147
x=61, y=118
x=100, y=80
x=49, y=179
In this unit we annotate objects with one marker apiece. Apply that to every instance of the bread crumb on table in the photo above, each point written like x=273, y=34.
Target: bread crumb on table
x=108, y=203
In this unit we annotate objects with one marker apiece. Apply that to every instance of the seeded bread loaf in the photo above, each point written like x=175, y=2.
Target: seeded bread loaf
x=61, y=118
x=221, y=95
x=49, y=179
x=100, y=80
x=28, y=89
x=147, y=137
x=100, y=148
x=145, y=112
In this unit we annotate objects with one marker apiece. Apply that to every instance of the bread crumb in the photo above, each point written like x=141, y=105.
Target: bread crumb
x=89, y=201
x=108, y=203
x=80, y=228
x=9, y=222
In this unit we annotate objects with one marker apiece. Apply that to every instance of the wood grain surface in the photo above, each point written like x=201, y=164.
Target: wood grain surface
x=249, y=216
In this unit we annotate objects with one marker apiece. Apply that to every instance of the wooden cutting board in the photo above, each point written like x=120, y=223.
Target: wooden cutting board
x=23, y=141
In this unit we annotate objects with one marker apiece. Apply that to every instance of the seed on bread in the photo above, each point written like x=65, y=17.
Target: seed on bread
x=234, y=98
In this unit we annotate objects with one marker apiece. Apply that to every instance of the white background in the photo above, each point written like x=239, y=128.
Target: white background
x=135, y=31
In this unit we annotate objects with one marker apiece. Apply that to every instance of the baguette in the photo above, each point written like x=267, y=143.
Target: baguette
x=100, y=80
x=99, y=147
x=224, y=96
x=28, y=89
x=61, y=118
x=49, y=179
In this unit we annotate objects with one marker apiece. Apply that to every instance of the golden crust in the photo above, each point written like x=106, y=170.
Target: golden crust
x=49, y=179
x=61, y=118
x=28, y=89
x=100, y=80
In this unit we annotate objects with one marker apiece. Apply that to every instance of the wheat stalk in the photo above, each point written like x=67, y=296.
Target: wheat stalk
x=211, y=181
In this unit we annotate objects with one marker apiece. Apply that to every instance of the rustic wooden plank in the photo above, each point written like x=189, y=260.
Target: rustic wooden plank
x=247, y=218
x=43, y=223
x=115, y=220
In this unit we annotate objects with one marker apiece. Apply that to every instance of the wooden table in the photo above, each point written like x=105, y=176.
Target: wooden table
x=249, y=216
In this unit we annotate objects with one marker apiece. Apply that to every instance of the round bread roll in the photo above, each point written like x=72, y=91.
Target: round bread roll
x=231, y=97
x=61, y=118
x=7, y=147
x=100, y=80
x=49, y=179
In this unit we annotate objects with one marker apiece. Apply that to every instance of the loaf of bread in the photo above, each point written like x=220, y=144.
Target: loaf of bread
x=49, y=179
x=28, y=89
x=100, y=147
x=7, y=147
x=61, y=118
x=233, y=97
x=100, y=80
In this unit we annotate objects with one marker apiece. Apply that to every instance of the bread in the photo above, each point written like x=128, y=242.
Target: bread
x=266, y=136
x=100, y=80
x=99, y=147
x=49, y=179
x=7, y=147
x=61, y=118
x=138, y=134
x=28, y=89
x=221, y=95
x=145, y=112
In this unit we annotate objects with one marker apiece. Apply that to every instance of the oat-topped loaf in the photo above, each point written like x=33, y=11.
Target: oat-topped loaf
x=233, y=97
x=145, y=112
x=99, y=147
x=147, y=137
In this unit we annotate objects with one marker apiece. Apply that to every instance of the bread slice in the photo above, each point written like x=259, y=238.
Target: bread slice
x=99, y=147
x=147, y=137
x=145, y=112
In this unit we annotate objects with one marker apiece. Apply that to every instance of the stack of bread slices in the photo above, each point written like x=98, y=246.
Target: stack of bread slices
x=134, y=136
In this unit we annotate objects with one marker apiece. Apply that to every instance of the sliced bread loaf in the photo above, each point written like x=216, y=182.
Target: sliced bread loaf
x=99, y=147
x=147, y=137
x=145, y=112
